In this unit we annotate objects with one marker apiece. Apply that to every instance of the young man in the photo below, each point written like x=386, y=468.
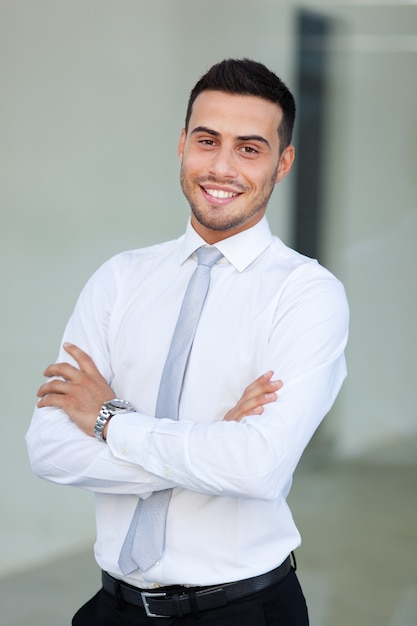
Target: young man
x=225, y=460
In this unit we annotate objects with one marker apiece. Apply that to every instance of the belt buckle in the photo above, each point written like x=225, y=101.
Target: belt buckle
x=145, y=595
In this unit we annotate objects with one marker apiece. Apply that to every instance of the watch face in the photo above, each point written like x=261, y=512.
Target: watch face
x=117, y=404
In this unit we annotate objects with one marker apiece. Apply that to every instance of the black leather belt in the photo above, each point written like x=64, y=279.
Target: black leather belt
x=179, y=601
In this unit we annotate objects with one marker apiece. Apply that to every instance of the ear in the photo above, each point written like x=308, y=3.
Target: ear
x=285, y=163
x=181, y=143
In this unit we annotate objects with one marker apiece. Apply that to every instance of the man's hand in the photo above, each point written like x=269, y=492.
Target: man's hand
x=78, y=392
x=81, y=391
x=261, y=391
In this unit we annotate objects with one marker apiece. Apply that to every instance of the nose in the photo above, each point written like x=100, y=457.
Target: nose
x=223, y=165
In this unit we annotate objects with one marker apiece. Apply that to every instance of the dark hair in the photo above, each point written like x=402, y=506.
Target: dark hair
x=248, y=78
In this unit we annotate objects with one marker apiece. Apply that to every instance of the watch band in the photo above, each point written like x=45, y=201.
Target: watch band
x=108, y=409
x=102, y=419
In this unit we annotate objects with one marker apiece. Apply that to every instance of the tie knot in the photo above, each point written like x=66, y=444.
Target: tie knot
x=208, y=256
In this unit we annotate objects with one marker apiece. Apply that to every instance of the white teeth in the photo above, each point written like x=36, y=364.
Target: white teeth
x=219, y=193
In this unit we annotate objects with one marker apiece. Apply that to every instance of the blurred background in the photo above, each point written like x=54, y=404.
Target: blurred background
x=93, y=97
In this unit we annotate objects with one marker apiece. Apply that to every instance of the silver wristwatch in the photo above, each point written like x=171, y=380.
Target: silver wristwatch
x=107, y=411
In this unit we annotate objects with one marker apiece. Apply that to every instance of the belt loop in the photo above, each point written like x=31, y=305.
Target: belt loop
x=294, y=562
x=193, y=604
x=177, y=604
x=120, y=603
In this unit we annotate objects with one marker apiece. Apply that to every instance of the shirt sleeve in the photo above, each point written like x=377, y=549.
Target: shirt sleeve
x=255, y=458
x=58, y=450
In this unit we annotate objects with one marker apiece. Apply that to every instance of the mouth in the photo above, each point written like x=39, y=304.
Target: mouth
x=219, y=195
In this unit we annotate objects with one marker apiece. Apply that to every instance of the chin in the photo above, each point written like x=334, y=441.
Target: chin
x=216, y=225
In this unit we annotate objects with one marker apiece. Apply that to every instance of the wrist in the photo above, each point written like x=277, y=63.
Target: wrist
x=105, y=429
x=107, y=411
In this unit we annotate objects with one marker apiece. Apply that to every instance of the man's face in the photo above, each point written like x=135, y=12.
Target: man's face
x=230, y=162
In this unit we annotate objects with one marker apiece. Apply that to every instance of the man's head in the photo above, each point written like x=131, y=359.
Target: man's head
x=235, y=147
x=248, y=78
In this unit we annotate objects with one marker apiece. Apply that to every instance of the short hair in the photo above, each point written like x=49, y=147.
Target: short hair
x=248, y=78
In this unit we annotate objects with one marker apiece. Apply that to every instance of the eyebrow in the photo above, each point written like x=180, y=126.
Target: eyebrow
x=214, y=133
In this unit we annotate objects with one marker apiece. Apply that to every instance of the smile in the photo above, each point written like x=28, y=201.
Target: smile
x=219, y=193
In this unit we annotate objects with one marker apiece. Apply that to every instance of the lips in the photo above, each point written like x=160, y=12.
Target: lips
x=218, y=194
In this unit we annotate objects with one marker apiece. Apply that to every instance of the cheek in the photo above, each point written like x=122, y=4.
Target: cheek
x=193, y=167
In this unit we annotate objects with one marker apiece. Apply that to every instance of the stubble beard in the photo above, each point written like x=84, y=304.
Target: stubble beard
x=222, y=220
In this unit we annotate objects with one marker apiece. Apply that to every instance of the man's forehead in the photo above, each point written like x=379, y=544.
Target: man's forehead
x=244, y=114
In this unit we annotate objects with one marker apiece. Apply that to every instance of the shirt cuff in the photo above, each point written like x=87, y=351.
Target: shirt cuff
x=127, y=434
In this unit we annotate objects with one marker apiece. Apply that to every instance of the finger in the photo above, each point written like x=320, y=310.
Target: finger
x=55, y=400
x=258, y=394
x=237, y=414
x=261, y=385
x=264, y=378
x=262, y=381
x=249, y=405
x=252, y=406
x=85, y=362
x=273, y=385
x=62, y=370
x=55, y=386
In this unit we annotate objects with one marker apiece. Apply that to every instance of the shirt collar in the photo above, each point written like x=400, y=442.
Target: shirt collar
x=240, y=250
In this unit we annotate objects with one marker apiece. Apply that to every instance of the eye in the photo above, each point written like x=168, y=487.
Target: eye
x=249, y=151
x=206, y=142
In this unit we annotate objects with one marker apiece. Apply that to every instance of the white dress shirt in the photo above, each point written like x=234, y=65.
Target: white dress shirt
x=268, y=308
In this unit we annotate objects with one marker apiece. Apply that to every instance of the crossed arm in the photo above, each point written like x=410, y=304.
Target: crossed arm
x=252, y=452
x=81, y=391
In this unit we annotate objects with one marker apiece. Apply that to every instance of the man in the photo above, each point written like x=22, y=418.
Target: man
x=227, y=461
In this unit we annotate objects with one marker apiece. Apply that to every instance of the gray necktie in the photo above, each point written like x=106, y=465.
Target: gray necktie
x=144, y=542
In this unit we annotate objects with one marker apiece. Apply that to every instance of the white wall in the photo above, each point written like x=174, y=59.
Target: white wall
x=93, y=99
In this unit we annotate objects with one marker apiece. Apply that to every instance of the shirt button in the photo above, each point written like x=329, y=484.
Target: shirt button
x=122, y=450
x=166, y=471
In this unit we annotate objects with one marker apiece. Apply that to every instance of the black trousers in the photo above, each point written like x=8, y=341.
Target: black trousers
x=282, y=604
